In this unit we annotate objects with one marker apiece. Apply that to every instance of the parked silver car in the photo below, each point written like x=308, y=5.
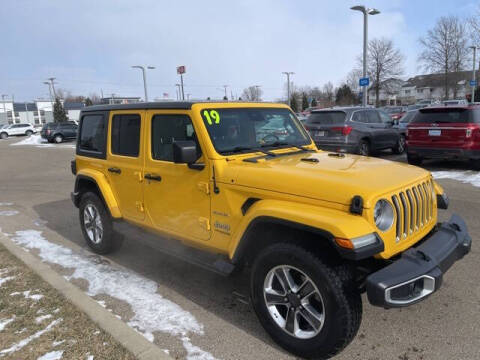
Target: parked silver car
x=355, y=130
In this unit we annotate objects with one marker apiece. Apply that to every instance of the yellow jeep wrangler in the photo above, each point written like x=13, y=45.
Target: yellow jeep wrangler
x=242, y=186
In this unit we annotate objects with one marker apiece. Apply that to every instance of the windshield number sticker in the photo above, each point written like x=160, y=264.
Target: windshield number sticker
x=212, y=114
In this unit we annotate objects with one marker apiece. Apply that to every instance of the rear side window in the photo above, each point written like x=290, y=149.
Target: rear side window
x=447, y=115
x=165, y=130
x=326, y=117
x=126, y=135
x=92, y=135
x=373, y=117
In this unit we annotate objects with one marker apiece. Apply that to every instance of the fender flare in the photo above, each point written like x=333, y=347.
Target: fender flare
x=326, y=222
x=100, y=180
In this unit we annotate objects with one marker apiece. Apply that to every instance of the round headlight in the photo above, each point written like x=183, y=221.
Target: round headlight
x=383, y=215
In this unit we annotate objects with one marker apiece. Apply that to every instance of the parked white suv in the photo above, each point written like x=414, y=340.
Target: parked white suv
x=16, y=129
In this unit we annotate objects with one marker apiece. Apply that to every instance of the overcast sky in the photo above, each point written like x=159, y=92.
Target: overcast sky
x=89, y=46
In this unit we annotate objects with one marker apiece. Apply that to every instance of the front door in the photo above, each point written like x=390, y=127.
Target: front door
x=125, y=161
x=177, y=197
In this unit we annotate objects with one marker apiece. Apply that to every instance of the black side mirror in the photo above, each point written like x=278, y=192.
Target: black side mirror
x=184, y=152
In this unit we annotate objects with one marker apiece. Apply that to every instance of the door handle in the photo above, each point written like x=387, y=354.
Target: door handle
x=115, y=170
x=153, y=177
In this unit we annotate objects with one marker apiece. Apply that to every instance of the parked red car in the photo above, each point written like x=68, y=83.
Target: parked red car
x=448, y=133
x=395, y=112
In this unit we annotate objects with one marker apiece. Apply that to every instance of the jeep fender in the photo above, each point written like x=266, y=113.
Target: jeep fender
x=331, y=222
x=103, y=186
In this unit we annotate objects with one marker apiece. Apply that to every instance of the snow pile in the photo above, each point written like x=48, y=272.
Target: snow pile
x=152, y=312
x=35, y=140
x=53, y=355
x=8, y=212
x=467, y=177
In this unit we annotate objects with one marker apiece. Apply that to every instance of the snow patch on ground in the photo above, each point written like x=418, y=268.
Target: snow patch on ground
x=3, y=280
x=40, y=319
x=53, y=355
x=466, y=177
x=5, y=322
x=37, y=141
x=26, y=295
x=56, y=343
x=152, y=312
x=5, y=204
x=21, y=344
x=8, y=212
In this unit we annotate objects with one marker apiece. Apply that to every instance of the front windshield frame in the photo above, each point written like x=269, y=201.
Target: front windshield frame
x=304, y=140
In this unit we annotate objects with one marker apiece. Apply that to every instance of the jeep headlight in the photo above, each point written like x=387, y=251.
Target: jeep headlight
x=383, y=215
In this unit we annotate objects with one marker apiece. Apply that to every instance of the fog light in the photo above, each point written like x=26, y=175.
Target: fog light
x=410, y=291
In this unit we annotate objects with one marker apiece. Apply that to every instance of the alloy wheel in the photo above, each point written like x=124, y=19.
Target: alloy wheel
x=294, y=302
x=93, y=223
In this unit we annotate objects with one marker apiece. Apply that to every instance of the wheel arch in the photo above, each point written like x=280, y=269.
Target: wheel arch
x=95, y=181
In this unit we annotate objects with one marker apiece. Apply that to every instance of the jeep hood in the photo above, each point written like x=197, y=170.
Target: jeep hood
x=323, y=176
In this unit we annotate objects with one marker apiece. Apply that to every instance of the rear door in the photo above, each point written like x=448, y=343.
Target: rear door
x=449, y=127
x=325, y=127
x=391, y=133
x=380, y=136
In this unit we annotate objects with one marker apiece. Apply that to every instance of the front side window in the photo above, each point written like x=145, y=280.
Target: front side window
x=92, y=135
x=247, y=129
x=125, y=138
x=169, y=128
x=372, y=117
x=384, y=117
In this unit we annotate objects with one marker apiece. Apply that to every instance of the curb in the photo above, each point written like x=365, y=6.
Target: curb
x=134, y=342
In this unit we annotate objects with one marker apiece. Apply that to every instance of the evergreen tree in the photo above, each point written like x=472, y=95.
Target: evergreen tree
x=314, y=103
x=59, y=114
x=88, y=102
x=304, y=101
x=345, y=96
x=293, y=103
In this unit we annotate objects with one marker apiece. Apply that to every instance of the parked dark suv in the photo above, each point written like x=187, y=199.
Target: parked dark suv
x=58, y=132
x=354, y=130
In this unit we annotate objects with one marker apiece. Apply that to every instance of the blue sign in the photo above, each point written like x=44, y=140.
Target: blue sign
x=364, y=81
x=473, y=82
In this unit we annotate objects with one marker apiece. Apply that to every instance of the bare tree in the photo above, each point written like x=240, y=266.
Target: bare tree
x=445, y=49
x=329, y=92
x=353, y=78
x=252, y=93
x=384, y=62
x=474, y=22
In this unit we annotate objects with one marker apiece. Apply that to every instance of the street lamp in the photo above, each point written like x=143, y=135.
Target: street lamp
x=474, y=48
x=366, y=11
x=4, y=111
x=288, y=73
x=144, y=77
x=50, y=92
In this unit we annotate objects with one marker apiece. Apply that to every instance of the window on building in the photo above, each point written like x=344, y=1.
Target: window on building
x=126, y=135
x=419, y=91
x=165, y=130
x=92, y=136
x=407, y=92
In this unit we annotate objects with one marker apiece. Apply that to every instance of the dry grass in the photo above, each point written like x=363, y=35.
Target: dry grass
x=80, y=336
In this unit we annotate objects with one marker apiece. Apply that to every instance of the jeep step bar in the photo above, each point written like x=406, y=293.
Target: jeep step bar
x=204, y=259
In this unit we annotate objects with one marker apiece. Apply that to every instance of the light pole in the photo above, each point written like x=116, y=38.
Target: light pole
x=366, y=11
x=144, y=77
x=179, y=91
x=474, y=48
x=53, y=87
x=4, y=111
x=257, y=92
x=288, y=73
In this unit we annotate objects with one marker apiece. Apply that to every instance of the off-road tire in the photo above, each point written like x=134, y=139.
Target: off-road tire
x=3, y=135
x=110, y=241
x=401, y=146
x=342, y=301
x=29, y=132
x=58, y=139
x=414, y=160
x=364, y=148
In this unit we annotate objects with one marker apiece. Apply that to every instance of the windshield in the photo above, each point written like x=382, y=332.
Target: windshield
x=407, y=117
x=249, y=129
x=447, y=115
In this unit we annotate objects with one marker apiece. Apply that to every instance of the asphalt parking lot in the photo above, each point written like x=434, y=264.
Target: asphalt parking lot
x=35, y=182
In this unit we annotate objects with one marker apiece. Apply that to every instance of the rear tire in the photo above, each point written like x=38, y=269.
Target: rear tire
x=3, y=136
x=414, y=160
x=29, y=132
x=96, y=224
x=335, y=300
x=364, y=148
x=400, y=147
x=58, y=139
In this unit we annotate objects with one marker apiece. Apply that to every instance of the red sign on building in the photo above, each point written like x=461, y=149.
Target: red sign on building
x=181, y=69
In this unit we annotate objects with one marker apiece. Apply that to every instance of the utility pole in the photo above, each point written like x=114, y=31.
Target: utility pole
x=179, y=91
x=366, y=12
x=181, y=84
x=474, y=48
x=144, y=77
x=53, y=87
x=288, y=73
x=257, y=92
x=4, y=111
x=225, y=88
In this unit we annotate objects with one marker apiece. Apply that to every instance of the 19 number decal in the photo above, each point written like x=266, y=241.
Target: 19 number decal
x=212, y=114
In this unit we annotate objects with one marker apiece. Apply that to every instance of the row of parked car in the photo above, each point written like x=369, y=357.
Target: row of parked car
x=52, y=132
x=435, y=132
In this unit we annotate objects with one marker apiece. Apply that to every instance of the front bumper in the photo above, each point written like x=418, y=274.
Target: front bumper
x=419, y=271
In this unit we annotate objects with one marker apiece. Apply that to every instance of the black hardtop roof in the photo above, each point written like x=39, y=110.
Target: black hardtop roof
x=169, y=105
x=341, y=108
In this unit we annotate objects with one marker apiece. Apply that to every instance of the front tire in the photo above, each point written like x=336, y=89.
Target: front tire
x=308, y=307
x=400, y=147
x=96, y=224
x=364, y=148
x=29, y=132
x=3, y=136
x=58, y=139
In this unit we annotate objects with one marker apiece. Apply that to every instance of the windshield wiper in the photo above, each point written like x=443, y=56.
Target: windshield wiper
x=283, y=143
x=238, y=149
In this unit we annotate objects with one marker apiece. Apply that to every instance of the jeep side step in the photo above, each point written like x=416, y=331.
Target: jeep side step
x=219, y=264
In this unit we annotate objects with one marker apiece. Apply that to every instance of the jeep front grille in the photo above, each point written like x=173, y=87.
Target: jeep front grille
x=413, y=209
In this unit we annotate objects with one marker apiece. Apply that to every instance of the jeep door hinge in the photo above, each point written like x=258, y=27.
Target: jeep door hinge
x=204, y=187
x=204, y=222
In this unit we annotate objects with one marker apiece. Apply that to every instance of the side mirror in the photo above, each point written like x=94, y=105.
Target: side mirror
x=184, y=152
